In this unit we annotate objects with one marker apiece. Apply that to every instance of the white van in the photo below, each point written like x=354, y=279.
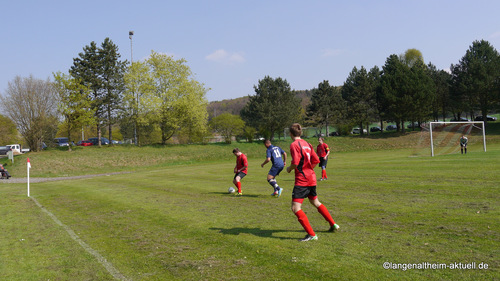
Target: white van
x=16, y=148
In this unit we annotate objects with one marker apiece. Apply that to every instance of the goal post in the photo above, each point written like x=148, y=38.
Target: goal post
x=471, y=123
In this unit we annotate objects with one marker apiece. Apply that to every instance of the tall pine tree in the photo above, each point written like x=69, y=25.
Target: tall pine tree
x=273, y=108
x=100, y=70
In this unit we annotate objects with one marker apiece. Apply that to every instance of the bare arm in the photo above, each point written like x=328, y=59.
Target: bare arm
x=265, y=162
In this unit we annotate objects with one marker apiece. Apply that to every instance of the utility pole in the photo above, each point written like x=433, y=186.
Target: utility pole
x=130, y=34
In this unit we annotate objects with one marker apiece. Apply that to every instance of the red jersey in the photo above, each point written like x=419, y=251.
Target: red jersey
x=322, y=149
x=304, y=157
x=241, y=161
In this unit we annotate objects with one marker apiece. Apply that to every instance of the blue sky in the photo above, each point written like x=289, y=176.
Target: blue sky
x=230, y=45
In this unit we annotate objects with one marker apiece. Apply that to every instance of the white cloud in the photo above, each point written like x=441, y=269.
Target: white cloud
x=495, y=35
x=222, y=56
x=331, y=52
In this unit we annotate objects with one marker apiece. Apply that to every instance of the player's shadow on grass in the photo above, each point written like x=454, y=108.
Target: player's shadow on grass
x=267, y=233
x=232, y=195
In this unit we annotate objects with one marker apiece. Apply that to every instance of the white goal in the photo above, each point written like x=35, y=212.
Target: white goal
x=445, y=133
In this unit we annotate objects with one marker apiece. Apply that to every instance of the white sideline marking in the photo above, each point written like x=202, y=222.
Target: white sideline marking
x=111, y=269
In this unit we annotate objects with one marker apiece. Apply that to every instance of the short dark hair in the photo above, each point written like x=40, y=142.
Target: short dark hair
x=236, y=150
x=296, y=130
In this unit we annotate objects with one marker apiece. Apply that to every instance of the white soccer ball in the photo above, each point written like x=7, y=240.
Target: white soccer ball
x=231, y=189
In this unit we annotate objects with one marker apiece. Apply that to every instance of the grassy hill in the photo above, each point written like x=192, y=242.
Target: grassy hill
x=88, y=160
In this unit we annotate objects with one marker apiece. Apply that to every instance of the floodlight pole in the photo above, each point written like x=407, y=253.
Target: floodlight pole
x=130, y=34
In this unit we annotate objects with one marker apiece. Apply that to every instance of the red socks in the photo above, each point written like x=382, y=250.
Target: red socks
x=238, y=185
x=324, y=212
x=304, y=221
x=323, y=174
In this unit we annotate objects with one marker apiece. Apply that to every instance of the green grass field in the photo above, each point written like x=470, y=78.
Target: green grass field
x=171, y=218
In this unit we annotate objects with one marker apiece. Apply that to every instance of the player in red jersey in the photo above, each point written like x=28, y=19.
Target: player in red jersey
x=240, y=170
x=303, y=161
x=323, y=152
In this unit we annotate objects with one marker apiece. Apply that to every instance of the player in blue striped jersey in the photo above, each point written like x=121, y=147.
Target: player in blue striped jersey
x=277, y=157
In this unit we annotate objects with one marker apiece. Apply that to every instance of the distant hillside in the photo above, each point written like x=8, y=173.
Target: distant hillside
x=305, y=96
x=234, y=106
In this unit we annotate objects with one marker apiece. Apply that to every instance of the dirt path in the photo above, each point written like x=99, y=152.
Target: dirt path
x=35, y=180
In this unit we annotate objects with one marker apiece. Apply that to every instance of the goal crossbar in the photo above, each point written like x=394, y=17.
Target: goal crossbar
x=456, y=122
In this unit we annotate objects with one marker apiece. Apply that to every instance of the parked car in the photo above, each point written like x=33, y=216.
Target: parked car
x=357, y=131
x=375, y=129
x=391, y=128
x=17, y=149
x=319, y=135
x=461, y=119
x=488, y=118
x=84, y=143
x=94, y=141
x=4, y=150
x=334, y=134
x=414, y=125
x=61, y=141
x=116, y=142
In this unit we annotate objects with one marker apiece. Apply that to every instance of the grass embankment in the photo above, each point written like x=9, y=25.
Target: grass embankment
x=172, y=218
x=95, y=160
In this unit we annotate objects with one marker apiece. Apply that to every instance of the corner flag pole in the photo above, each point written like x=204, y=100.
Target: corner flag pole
x=28, y=165
x=484, y=136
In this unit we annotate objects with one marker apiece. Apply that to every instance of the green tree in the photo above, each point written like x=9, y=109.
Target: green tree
x=113, y=70
x=461, y=100
x=249, y=133
x=420, y=87
x=87, y=69
x=273, y=107
x=325, y=106
x=442, y=80
x=394, y=90
x=359, y=92
x=478, y=73
x=411, y=57
x=375, y=76
x=8, y=131
x=423, y=93
x=100, y=70
x=74, y=103
x=407, y=90
x=163, y=93
x=227, y=125
x=138, y=83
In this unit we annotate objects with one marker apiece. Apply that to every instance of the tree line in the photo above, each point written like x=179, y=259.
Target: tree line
x=156, y=99
x=149, y=101
x=405, y=89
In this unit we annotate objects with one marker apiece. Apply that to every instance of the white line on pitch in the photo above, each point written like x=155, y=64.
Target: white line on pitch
x=111, y=269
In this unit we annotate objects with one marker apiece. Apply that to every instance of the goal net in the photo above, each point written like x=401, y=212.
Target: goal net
x=444, y=137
